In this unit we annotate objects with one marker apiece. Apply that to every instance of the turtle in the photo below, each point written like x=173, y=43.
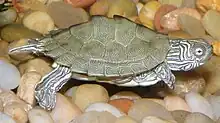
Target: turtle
x=115, y=50
x=4, y=5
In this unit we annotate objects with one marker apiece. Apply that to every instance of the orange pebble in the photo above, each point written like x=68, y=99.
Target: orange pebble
x=216, y=47
x=80, y=3
x=122, y=104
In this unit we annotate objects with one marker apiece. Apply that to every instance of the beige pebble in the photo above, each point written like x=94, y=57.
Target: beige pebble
x=3, y=48
x=153, y=119
x=17, y=112
x=87, y=94
x=20, y=56
x=65, y=110
x=1, y=106
x=125, y=119
x=125, y=94
x=180, y=115
x=37, y=115
x=9, y=97
x=159, y=101
x=100, y=107
x=4, y=118
x=26, y=89
x=71, y=92
x=41, y=65
x=95, y=117
x=143, y=108
x=175, y=103
x=198, y=118
x=39, y=21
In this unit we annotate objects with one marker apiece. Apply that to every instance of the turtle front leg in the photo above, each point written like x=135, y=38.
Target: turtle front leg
x=45, y=91
x=160, y=73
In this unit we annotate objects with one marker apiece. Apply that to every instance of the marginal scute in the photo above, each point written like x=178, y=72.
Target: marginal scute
x=111, y=71
x=80, y=65
x=96, y=67
x=145, y=33
x=138, y=67
x=66, y=59
x=104, y=29
x=124, y=70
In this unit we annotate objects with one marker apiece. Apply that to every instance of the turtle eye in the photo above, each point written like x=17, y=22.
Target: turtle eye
x=198, y=51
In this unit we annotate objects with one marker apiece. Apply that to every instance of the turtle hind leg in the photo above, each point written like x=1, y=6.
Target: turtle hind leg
x=45, y=91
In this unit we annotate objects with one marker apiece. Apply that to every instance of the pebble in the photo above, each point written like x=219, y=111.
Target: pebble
x=39, y=21
x=143, y=108
x=17, y=112
x=13, y=32
x=159, y=101
x=100, y=107
x=122, y=104
x=95, y=117
x=26, y=89
x=180, y=115
x=205, y=5
x=41, y=65
x=216, y=47
x=1, y=106
x=153, y=119
x=177, y=3
x=4, y=118
x=198, y=118
x=175, y=103
x=71, y=92
x=7, y=17
x=209, y=21
x=34, y=5
x=100, y=7
x=179, y=34
x=93, y=93
x=147, y=13
x=187, y=23
x=189, y=3
x=215, y=104
x=81, y=3
x=10, y=76
x=20, y=56
x=125, y=8
x=37, y=115
x=170, y=20
x=66, y=107
x=125, y=119
x=193, y=82
x=195, y=101
x=60, y=10
x=125, y=94
x=3, y=48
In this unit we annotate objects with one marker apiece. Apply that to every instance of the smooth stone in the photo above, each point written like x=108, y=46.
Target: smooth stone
x=65, y=106
x=26, y=89
x=1, y=106
x=143, y=108
x=215, y=103
x=193, y=82
x=210, y=71
x=198, y=118
x=125, y=94
x=217, y=93
x=175, y=103
x=71, y=92
x=41, y=65
x=4, y=118
x=37, y=115
x=180, y=115
x=176, y=3
x=122, y=104
x=3, y=48
x=209, y=21
x=13, y=32
x=125, y=119
x=198, y=103
x=189, y=3
x=87, y=94
x=7, y=17
x=100, y=107
x=95, y=117
x=10, y=76
x=153, y=119
x=17, y=112
x=159, y=101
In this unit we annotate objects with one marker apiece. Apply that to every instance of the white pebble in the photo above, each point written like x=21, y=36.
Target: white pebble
x=215, y=103
x=10, y=76
x=4, y=118
x=38, y=115
x=198, y=103
x=100, y=107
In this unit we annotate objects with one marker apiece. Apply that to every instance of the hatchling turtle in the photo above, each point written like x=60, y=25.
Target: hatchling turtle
x=4, y=5
x=114, y=50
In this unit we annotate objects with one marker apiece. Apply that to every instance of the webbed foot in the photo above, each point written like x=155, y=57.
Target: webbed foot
x=45, y=91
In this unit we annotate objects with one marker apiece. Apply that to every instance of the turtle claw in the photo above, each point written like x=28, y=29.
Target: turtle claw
x=45, y=92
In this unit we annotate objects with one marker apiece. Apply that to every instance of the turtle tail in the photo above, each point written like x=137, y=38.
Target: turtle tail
x=31, y=46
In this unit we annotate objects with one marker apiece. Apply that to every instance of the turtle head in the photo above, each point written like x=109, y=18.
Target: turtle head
x=186, y=55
